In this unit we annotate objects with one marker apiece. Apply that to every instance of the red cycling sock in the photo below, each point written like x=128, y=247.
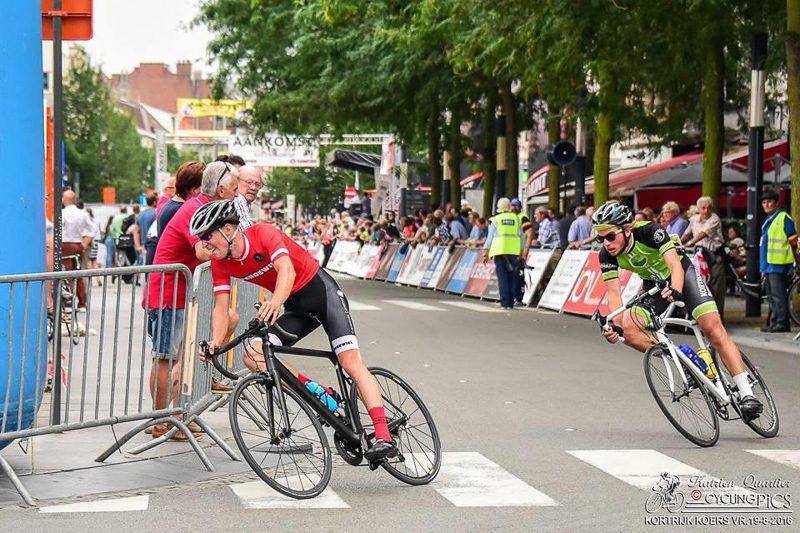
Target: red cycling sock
x=378, y=416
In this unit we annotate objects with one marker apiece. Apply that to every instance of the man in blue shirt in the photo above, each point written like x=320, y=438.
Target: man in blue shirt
x=778, y=252
x=676, y=224
x=580, y=232
x=143, y=223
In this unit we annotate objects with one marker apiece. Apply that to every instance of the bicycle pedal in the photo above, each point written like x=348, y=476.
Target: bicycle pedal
x=373, y=465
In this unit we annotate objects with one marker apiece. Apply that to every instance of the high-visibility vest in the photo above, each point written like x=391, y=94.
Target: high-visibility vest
x=779, y=251
x=506, y=239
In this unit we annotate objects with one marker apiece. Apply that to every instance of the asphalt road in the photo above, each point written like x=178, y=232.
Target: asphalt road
x=539, y=418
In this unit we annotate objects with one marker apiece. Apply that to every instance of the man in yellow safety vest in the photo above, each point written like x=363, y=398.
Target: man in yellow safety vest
x=504, y=245
x=778, y=251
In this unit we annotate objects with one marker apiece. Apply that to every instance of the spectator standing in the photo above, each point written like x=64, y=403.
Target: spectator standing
x=144, y=221
x=563, y=227
x=176, y=244
x=548, y=235
x=705, y=231
x=457, y=230
x=76, y=237
x=504, y=245
x=92, y=261
x=110, y=242
x=166, y=194
x=442, y=231
x=671, y=216
x=249, y=185
x=778, y=251
x=580, y=231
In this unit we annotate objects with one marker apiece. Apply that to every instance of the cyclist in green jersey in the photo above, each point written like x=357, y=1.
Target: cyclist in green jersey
x=646, y=249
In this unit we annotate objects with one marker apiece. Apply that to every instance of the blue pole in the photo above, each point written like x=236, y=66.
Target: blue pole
x=22, y=215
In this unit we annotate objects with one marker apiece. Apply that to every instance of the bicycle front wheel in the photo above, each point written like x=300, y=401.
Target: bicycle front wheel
x=794, y=301
x=295, y=461
x=687, y=406
x=411, y=426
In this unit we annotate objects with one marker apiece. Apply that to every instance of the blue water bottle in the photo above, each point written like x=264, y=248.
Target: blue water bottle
x=696, y=359
x=317, y=390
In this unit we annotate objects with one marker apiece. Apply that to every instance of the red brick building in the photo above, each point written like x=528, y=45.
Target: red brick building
x=156, y=85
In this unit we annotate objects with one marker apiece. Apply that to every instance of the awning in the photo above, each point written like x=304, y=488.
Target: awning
x=739, y=159
x=628, y=179
x=352, y=160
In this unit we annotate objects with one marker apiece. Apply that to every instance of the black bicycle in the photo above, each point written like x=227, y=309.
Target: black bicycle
x=278, y=423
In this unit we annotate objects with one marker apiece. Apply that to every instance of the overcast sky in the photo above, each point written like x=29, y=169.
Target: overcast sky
x=129, y=32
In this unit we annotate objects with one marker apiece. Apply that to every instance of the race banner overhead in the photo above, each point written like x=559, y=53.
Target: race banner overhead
x=276, y=150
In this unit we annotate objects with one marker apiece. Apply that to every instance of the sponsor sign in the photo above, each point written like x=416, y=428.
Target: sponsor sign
x=449, y=268
x=386, y=260
x=208, y=107
x=438, y=269
x=589, y=288
x=438, y=253
x=564, y=277
x=409, y=265
x=630, y=283
x=479, y=278
x=422, y=265
x=343, y=255
x=537, y=263
x=397, y=263
x=458, y=281
x=376, y=261
x=276, y=150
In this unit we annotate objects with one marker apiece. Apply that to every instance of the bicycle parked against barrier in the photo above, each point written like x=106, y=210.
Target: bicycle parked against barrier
x=691, y=401
x=277, y=422
x=66, y=302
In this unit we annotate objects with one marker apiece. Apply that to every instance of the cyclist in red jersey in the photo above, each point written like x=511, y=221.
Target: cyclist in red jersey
x=309, y=296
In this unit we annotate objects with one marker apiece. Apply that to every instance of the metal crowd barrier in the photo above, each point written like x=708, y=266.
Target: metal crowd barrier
x=101, y=376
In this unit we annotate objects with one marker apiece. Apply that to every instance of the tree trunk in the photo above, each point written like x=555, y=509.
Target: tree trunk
x=793, y=93
x=454, y=162
x=713, y=86
x=602, y=150
x=435, y=157
x=489, y=141
x=512, y=156
x=554, y=173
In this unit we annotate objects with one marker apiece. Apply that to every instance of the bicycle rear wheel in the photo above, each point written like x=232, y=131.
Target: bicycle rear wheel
x=794, y=301
x=767, y=423
x=296, y=463
x=411, y=426
x=687, y=407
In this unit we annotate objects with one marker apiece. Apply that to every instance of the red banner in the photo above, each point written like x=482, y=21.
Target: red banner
x=479, y=279
x=589, y=288
x=624, y=279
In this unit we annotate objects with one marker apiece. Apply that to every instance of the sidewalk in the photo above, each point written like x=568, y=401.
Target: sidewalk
x=745, y=331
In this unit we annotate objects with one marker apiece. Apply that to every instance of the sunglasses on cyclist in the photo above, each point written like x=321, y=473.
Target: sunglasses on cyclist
x=207, y=236
x=607, y=237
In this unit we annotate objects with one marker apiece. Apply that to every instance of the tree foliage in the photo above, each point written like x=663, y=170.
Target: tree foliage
x=101, y=141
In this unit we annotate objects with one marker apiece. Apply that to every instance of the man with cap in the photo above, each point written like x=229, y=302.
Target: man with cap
x=778, y=252
x=504, y=245
x=527, y=229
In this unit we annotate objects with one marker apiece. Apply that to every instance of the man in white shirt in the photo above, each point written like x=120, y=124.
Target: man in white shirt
x=75, y=237
x=249, y=185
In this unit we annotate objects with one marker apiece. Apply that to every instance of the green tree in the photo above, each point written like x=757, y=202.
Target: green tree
x=101, y=140
x=793, y=92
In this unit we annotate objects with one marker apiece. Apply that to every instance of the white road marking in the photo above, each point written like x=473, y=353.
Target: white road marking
x=259, y=495
x=472, y=307
x=642, y=468
x=117, y=505
x=785, y=457
x=359, y=306
x=468, y=479
x=411, y=304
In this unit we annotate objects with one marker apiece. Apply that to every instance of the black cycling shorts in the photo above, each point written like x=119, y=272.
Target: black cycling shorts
x=319, y=302
x=696, y=295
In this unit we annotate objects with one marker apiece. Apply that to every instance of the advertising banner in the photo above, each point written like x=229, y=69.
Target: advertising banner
x=437, y=269
x=589, y=288
x=397, y=262
x=479, y=278
x=422, y=265
x=631, y=285
x=276, y=150
x=385, y=263
x=458, y=281
x=536, y=266
x=449, y=267
x=560, y=285
x=408, y=265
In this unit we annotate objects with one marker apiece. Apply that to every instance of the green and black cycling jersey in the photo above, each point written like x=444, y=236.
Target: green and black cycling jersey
x=646, y=256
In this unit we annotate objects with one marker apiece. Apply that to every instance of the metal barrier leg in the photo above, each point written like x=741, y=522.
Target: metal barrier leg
x=126, y=437
x=216, y=438
x=8, y=471
x=219, y=402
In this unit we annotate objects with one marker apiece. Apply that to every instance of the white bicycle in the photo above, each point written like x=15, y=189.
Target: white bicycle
x=692, y=402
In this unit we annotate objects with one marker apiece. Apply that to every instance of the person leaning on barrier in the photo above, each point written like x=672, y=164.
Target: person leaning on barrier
x=705, y=231
x=580, y=231
x=177, y=245
x=504, y=245
x=778, y=253
x=548, y=237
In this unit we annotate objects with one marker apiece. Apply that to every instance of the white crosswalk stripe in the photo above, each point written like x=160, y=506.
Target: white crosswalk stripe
x=259, y=495
x=116, y=505
x=468, y=479
x=413, y=304
x=481, y=308
x=786, y=457
x=642, y=468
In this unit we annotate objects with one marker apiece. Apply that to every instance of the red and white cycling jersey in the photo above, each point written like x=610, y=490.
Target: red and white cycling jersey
x=263, y=244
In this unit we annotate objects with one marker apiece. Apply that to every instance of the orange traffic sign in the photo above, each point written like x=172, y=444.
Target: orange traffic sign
x=76, y=17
